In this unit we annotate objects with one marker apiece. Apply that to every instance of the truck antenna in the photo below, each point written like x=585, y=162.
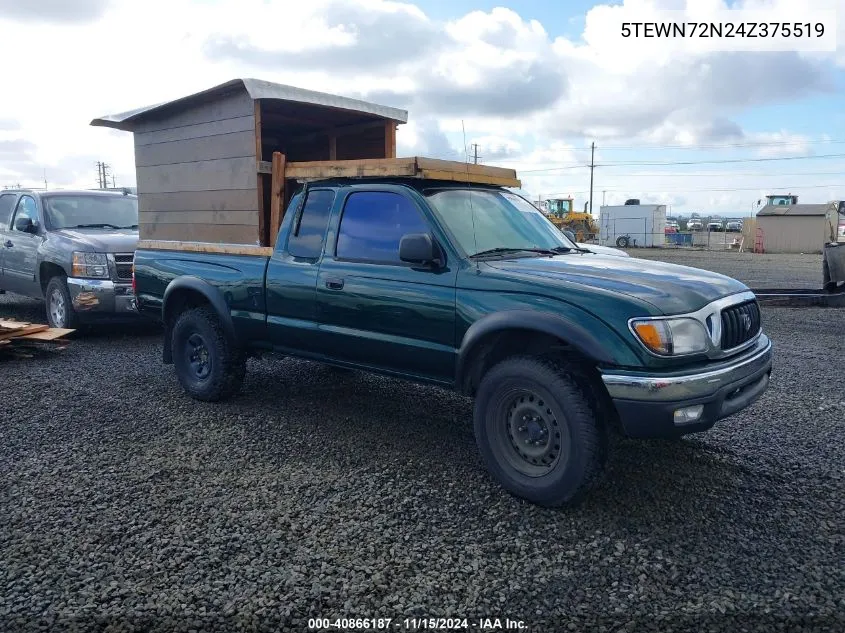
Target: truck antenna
x=469, y=186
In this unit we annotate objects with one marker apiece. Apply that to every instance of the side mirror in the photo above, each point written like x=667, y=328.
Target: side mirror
x=25, y=225
x=570, y=235
x=419, y=248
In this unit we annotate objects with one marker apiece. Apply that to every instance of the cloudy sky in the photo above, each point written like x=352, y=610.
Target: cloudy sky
x=532, y=82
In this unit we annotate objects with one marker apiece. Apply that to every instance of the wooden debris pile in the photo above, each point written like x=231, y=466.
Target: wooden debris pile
x=21, y=340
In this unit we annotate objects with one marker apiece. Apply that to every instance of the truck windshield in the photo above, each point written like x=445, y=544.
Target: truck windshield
x=484, y=221
x=73, y=211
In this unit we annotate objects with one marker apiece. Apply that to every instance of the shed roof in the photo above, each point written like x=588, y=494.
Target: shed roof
x=798, y=209
x=256, y=89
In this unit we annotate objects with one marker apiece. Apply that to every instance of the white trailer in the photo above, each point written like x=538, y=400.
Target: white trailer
x=632, y=225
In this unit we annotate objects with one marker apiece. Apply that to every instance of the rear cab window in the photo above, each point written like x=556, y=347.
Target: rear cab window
x=309, y=229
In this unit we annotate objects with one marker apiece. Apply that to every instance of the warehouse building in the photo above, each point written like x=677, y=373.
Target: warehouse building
x=784, y=226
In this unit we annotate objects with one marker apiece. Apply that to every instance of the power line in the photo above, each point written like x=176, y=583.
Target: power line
x=648, y=146
x=681, y=190
x=688, y=162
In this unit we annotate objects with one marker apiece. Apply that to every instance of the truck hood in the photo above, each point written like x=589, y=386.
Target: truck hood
x=670, y=288
x=102, y=240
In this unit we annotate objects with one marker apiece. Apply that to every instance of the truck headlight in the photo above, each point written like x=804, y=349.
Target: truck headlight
x=671, y=337
x=90, y=265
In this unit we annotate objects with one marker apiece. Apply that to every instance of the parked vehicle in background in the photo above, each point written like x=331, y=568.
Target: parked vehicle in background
x=695, y=224
x=74, y=249
x=674, y=224
x=734, y=226
x=715, y=225
x=670, y=229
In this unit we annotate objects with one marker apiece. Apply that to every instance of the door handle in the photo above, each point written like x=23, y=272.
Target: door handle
x=334, y=283
x=8, y=244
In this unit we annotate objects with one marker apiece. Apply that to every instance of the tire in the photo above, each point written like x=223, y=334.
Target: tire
x=622, y=241
x=571, y=447
x=209, y=366
x=58, y=304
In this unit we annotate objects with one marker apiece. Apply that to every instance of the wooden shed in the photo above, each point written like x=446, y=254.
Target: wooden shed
x=203, y=161
x=797, y=228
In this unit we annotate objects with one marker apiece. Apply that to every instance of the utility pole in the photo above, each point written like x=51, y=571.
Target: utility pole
x=592, y=167
x=475, y=153
x=603, y=193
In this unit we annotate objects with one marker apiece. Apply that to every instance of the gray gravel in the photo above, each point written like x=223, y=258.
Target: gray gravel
x=758, y=271
x=127, y=506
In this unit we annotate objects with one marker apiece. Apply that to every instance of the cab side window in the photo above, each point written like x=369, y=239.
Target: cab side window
x=26, y=209
x=372, y=225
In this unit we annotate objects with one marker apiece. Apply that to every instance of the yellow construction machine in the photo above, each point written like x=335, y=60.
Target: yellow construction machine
x=561, y=213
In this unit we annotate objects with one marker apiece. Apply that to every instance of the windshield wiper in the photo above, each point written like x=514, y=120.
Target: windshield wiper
x=568, y=249
x=103, y=225
x=505, y=249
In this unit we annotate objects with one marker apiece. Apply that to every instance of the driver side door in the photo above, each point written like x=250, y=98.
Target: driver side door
x=21, y=249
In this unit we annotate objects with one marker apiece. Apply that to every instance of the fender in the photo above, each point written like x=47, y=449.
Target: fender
x=573, y=333
x=211, y=293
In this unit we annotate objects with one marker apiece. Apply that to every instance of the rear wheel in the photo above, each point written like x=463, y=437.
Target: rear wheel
x=58, y=304
x=538, y=431
x=208, y=364
x=622, y=241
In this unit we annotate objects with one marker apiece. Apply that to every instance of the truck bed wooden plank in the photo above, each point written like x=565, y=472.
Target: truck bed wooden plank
x=243, y=217
x=223, y=107
x=205, y=247
x=200, y=130
x=214, y=233
x=218, y=200
x=210, y=175
x=231, y=145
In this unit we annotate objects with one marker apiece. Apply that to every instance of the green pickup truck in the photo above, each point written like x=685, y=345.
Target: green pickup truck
x=470, y=288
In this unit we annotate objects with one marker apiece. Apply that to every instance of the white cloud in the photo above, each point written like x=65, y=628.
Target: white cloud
x=526, y=98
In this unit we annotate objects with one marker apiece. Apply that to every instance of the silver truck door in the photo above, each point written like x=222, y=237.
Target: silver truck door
x=21, y=248
x=7, y=204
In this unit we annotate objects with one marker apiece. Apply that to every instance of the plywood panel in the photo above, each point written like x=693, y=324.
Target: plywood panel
x=227, y=126
x=210, y=175
x=219, y=200
x=205, y=247
x=244, y=218
x=233, y=145
x=231, y=106
x=218, y=234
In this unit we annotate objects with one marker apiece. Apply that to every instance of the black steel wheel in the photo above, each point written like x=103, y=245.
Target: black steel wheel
x=622, y=241
x=538, y=431
x=209, y=365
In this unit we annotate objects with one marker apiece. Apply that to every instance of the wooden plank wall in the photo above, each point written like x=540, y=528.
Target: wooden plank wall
x=196, y=174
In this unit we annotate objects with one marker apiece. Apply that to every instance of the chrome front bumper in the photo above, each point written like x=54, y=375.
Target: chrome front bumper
x=646, y=402
x=101, y=296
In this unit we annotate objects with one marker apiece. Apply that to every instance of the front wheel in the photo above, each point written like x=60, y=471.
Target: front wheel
x=622, y=241
x=59, y=306
x=537, y=431
x=209, y=365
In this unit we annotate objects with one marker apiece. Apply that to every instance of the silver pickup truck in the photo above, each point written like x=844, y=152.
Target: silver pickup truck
x=74, y=249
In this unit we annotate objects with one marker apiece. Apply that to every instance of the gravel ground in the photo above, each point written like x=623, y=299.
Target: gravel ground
x=786, y=270
x=127, y=506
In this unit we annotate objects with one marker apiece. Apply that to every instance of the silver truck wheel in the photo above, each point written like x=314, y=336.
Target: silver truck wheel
x=60, y=312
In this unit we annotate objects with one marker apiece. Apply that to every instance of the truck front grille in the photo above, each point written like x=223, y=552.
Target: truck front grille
x=740, y=323
x=123, y=264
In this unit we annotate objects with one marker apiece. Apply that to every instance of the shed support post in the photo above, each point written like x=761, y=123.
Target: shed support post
x=332, y=147
x=390, y=139
x=277, y=195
